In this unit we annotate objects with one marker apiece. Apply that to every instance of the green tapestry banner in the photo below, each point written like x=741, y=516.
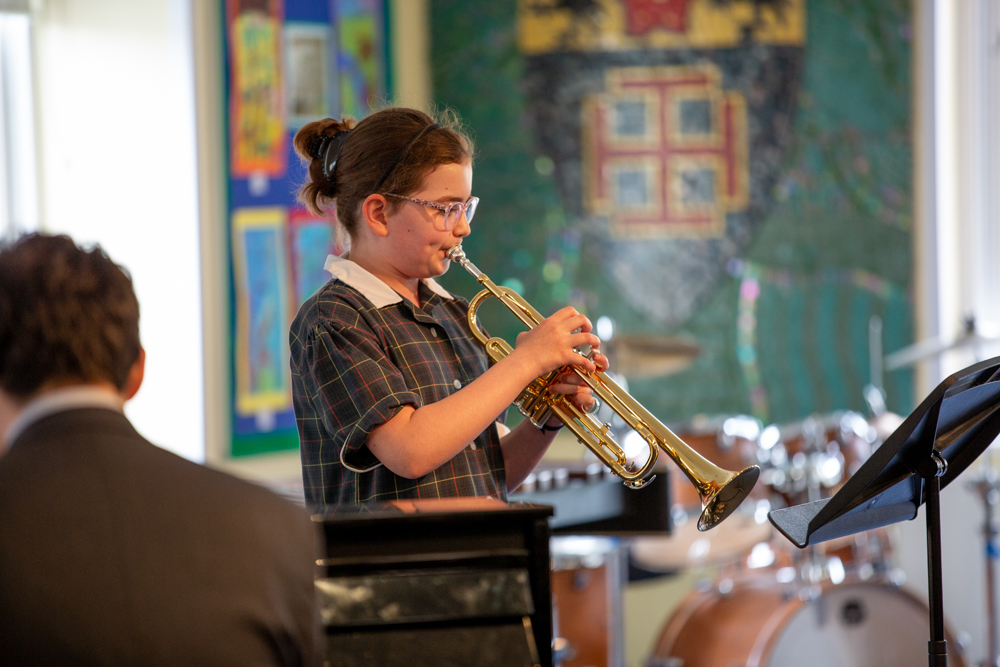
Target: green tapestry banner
x=727, y=182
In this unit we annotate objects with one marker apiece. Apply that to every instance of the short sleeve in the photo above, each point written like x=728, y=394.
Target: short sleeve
x=354, y=387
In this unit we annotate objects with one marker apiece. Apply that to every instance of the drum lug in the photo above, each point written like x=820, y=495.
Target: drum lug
x=808, y=593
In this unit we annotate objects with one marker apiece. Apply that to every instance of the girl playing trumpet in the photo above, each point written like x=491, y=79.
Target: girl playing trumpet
x=393, y=396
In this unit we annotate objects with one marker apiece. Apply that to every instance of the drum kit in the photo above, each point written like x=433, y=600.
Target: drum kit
x=763, y=602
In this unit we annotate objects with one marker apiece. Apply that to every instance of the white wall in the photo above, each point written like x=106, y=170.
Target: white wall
x=117, y=160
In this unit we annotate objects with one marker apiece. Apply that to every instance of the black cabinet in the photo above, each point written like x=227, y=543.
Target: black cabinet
x=437, y=582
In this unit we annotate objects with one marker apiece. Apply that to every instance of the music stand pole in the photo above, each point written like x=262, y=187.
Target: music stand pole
x=937, y=647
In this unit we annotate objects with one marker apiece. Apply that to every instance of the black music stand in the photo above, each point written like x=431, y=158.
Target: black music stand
x=933, y=446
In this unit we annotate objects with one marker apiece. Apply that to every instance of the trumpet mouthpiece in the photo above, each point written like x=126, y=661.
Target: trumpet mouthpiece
x=456, y=253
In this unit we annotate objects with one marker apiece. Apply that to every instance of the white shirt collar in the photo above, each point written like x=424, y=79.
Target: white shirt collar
x=371, y=287
x=60, y=400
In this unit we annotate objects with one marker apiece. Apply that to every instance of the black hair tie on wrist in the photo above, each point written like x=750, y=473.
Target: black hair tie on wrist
x=546, y=427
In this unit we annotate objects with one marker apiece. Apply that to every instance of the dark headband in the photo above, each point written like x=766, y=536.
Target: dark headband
x=399, y=156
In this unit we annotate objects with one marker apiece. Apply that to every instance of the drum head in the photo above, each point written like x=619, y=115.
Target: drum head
x=857, y=625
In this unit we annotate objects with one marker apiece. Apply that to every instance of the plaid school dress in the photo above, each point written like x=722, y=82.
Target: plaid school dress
x=359, y=353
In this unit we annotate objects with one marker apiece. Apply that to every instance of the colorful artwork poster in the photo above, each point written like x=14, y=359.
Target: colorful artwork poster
x=310, y=239
x=257, y=107
x=307, y=61
x=359, y=66
x=262, y=312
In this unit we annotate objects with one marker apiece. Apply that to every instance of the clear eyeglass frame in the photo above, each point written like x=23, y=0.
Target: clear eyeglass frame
x=452, y=212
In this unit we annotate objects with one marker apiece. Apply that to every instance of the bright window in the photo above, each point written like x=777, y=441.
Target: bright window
x=18, y=172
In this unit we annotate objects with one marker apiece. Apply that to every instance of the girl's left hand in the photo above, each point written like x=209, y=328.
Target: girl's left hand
x=573, y=387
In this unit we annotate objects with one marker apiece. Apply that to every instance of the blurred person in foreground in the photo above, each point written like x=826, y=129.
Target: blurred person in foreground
x=112, y=550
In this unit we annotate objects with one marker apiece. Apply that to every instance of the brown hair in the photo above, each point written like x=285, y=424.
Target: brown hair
x=371, y=146
x=66, y=314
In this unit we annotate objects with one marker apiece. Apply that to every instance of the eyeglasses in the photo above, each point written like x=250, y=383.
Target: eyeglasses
x=452, y=212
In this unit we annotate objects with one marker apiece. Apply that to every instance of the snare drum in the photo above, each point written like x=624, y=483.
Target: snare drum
x=760, y=623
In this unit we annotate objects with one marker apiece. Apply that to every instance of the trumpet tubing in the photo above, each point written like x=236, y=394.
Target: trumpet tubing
x=721, y=491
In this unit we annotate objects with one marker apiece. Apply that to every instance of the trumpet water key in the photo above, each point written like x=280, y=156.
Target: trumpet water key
x=721, y=491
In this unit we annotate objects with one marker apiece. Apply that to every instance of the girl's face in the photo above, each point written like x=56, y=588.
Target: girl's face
x=418, y=245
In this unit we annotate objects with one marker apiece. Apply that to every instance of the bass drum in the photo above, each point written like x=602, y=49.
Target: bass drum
x=757, y=624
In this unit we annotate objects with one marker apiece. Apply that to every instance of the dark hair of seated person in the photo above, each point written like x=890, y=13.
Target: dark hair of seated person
x=67, y=314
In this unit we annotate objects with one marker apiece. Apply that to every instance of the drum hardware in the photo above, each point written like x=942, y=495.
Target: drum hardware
x=807, y=459
x=810, y=460
x=721, y=491
x=561, y=649
x=987, y=486
x=874, y=392
x=594, y=472
x=545, y=480
x=654, y=661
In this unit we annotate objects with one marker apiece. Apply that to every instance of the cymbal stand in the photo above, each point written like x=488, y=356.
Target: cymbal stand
x=988, y=488
x=874, y=392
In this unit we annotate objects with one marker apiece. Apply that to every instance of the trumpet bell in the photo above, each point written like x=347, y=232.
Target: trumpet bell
x=720, y=504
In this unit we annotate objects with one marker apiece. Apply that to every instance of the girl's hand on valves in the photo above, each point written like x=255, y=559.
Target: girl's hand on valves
x=552, y=344
x=573, y=387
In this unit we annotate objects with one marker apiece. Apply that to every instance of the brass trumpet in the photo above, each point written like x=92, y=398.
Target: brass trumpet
x=721, y=490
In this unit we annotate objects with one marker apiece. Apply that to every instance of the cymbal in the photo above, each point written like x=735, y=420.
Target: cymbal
x=932, y=347
x=639, y=356
x=935, y=347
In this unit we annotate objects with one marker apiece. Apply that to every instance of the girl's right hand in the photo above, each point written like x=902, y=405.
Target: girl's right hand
x=550, y=345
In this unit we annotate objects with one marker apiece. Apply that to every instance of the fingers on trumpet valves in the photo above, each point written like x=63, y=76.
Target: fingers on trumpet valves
x=600, y=361
x=573, y=387
x=555, y=342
